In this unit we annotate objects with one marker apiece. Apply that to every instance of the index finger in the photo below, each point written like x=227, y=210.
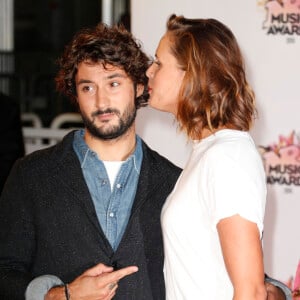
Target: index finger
x=117, y=275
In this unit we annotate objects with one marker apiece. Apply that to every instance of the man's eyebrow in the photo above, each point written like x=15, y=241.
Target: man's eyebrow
x=116, y=75
x=111, y=76
x=81, y=81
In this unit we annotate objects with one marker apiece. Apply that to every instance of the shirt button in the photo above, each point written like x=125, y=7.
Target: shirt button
x=104, y=182
x=111, y=214
x=118, y=186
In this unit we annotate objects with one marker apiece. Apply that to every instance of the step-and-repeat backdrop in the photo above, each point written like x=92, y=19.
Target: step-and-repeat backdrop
x=269, y=35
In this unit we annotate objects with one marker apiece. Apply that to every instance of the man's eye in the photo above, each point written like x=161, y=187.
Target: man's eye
x=87, y=89
x=114, y=84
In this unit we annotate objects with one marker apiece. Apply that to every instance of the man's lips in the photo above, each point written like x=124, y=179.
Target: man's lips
x=104, y=115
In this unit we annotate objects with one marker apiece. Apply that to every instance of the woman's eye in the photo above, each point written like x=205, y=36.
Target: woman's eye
x=157, y=62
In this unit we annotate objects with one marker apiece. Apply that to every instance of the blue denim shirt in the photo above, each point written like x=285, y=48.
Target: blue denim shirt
x=113, y=205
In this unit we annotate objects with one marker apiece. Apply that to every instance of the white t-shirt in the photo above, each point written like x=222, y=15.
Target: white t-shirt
x=112, y=169
x=223, y=177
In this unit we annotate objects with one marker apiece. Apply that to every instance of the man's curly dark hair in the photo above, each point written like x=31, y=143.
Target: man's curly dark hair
x=107, y=45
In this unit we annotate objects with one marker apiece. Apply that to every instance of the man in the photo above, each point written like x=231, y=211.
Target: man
x=96, y=196
x=73, y=213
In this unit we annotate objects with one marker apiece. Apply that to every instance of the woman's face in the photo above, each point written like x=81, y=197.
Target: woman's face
x=165, y=78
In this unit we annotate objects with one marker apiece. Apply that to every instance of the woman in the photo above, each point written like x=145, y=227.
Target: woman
x=213, y=220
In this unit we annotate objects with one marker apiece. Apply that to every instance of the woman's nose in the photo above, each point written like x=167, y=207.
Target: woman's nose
x=150, y=71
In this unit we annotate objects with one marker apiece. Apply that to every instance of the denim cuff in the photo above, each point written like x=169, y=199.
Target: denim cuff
x=39, y=287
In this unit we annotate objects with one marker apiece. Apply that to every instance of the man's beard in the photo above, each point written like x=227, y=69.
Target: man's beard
x=112, y=131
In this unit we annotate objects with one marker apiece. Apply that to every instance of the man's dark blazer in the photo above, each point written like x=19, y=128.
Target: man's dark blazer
x=48, y=224
x=12, y=145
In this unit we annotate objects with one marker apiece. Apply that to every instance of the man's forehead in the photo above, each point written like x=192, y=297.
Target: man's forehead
x=107, y=69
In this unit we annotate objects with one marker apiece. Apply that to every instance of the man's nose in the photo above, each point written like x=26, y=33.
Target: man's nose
x=102, y=98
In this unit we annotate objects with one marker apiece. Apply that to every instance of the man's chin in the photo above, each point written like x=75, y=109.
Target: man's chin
x=104, y=135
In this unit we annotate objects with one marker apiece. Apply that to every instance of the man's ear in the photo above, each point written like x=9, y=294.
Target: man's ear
x=139, y=89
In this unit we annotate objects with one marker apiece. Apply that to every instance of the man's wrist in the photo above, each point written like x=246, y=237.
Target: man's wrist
x=67, y=291
x=56, y=293
x=278, y=285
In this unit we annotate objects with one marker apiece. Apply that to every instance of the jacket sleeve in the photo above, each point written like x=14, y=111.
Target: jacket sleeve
x=16, y=236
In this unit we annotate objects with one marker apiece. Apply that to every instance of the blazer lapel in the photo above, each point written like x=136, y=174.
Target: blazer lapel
x=70, y=174
x=147, y=181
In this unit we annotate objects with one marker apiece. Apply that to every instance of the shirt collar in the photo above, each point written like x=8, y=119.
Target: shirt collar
x=83, y=151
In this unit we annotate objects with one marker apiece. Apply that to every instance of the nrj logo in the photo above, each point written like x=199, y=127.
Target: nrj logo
x=282, y=161
x=282, y=17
